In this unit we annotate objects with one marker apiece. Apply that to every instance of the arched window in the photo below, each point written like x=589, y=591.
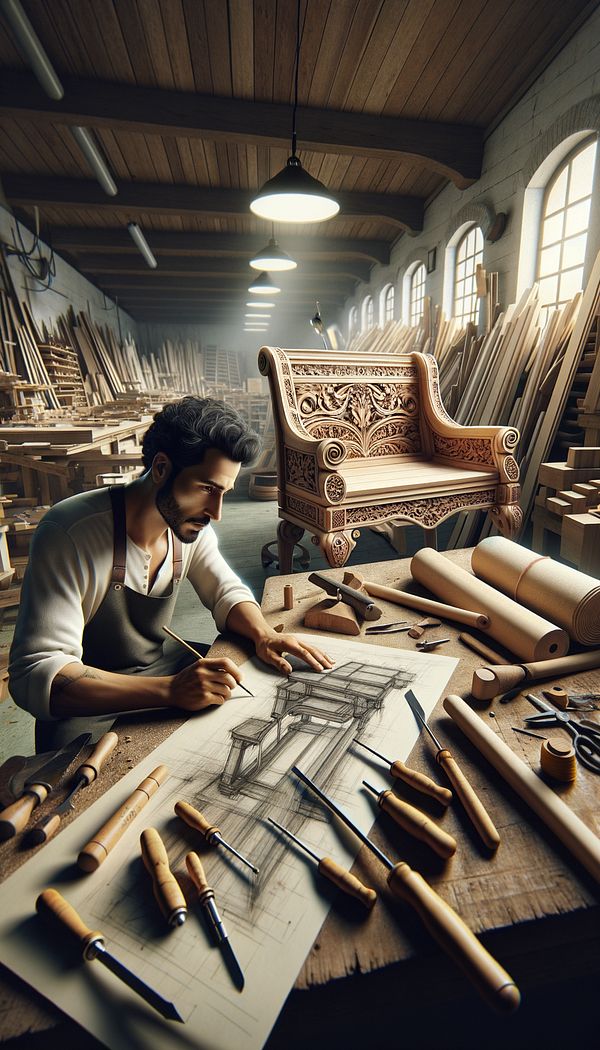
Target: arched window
x=352, y=322
x=386, y=304
x=416, y=294
x=469, y=254
x=564, y=227
x=368, y=313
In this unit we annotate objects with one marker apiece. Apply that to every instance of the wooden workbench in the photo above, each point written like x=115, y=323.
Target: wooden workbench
x=534, y=905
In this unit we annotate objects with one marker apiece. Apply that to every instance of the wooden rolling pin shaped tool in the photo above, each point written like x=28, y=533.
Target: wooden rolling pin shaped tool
x=167, y=890
x=84, y=776
x=489, y=682
x=334, y=872
x=97, y=849
x=448, y=929
x=412, y=777
x=211, y=834
x=474, y=807
x=414, y=822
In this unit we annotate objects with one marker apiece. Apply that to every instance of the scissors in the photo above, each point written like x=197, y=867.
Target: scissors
x=586, y=738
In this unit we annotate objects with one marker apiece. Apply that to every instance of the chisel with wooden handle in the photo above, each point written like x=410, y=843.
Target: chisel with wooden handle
x=330, y=869
x=167, y=890
x=51, y=904
x=415, y=779
x=452, y=934
x=414, y=822
x=206, y=896
x=84, y=776
x=15, y=817
x=211, y=834
x=472, y=804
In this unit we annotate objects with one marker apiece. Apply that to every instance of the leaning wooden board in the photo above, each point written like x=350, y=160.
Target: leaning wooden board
x=531, y=897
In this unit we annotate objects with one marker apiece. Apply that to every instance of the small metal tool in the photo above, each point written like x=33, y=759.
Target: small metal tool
x=476, y=811
x=212, y=835
x=51, y=903
x=330, y=869
x=85, y=775
x=412, y=777
x=389, y=628
x=207, y=900
x=424, y=647
x=527, y=732
x=444, y=924
x=586, y=740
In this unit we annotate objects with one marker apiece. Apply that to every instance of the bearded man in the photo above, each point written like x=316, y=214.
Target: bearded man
x=103, y=577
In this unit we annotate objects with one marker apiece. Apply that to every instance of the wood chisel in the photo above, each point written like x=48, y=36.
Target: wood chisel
x=207, y=900
x=474, y=807
x=51, y=903
x=14, y=818
x=211, y=834
x=330, y=869
x=448, y=929
x=419, y=781
x=416, y=823
x=167, y=890
x=84, y=776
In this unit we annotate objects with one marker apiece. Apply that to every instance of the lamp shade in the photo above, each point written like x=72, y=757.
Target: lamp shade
x=294, y=196
x=260, y=306
x=272, y=257
x=263, y=285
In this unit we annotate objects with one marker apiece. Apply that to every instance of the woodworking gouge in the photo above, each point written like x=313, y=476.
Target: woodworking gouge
x=212, y=835
x=476, y=811
x=207, y=900
x=419, y=781
x=452, y=934
x=84, y=776
x=50, y=903
x=330, y=869
x=15, y=817
x=424, y=647
x=416, y=823
x=167, y=890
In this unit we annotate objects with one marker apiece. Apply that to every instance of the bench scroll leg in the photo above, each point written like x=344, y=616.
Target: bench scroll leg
x=288, y=535
x=337, y=546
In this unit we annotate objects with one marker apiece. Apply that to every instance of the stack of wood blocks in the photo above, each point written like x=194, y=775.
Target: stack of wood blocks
x=568, y=505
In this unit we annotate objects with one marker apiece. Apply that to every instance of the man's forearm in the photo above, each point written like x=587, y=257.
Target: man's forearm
x=247, y=619
x=81, y=690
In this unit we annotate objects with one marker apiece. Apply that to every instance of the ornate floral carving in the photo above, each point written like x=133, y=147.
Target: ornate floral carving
x=508, y=520
x=335, y=488
x=437, y=400
x=301, y=469
x=372, y=419
x=336, y=547
x=302, y=508
x=338, y=519
x=471, y=450
x=427, y=512
x=510, y=468
x=508, y=493
x=509, y=439
x=356, y=371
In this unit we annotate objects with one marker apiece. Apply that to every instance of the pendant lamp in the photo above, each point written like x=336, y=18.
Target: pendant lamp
x=272, y=257
x=293, y=195
x=263, y=285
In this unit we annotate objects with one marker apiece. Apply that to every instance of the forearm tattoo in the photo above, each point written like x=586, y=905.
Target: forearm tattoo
x=65, y=679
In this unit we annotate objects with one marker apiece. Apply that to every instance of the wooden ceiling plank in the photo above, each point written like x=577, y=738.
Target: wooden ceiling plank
x=191, y=266
x=135, y=39
x=313, y=29
x=87, y=39
x=285, y=49
x=365, y=16
x=374, y=55
x=198, y=45
x=264, y=55
x=174, y=22
x=109, y=31
x=48, y=24
x=186, y=160
x=453, y=149
x=399, y=54
x=241, y=30
x=166, y=164
x=433, y=30
x=158, y=47
x=331, y=48
x=218, y=53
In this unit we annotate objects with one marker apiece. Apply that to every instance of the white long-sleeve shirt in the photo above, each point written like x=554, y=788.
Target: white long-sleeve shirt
x=68, y=576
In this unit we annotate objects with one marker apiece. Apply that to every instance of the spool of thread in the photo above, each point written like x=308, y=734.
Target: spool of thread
x=557, y=759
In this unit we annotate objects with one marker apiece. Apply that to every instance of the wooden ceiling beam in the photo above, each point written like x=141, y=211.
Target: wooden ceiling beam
x=136, y=198
x=188, y=242
x=454, y=150
x=185, y=266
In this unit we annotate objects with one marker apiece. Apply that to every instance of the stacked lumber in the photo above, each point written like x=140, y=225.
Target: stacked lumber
x=64, y=373
x=21, y=341
x=567, y=504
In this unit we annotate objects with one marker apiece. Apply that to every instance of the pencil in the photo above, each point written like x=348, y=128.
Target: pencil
x=196, y=653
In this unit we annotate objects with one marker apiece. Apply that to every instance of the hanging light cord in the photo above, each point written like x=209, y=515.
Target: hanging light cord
x=296, y=75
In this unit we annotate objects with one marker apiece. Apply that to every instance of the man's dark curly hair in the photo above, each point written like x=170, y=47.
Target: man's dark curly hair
x=184, y=430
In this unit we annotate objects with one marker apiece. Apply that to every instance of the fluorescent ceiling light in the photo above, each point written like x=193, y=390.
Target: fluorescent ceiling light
x=142, y=244
x=96, y=161
x=32, y=46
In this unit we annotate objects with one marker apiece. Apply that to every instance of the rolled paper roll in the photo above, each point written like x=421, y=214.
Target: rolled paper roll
x=521, y=631
x=570, y=597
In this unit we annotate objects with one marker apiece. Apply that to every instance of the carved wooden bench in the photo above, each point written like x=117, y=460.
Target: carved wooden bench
x=364, y=439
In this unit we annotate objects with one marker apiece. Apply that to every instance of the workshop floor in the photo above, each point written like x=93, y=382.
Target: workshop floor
x=245, y=526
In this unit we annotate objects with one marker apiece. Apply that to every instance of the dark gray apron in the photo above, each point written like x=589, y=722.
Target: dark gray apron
x=124, y=635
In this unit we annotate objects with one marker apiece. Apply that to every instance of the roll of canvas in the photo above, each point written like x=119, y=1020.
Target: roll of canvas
x=522, y=632
x=570, y=597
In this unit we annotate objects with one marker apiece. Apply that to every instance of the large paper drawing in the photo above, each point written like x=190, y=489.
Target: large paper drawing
x=233, y=764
